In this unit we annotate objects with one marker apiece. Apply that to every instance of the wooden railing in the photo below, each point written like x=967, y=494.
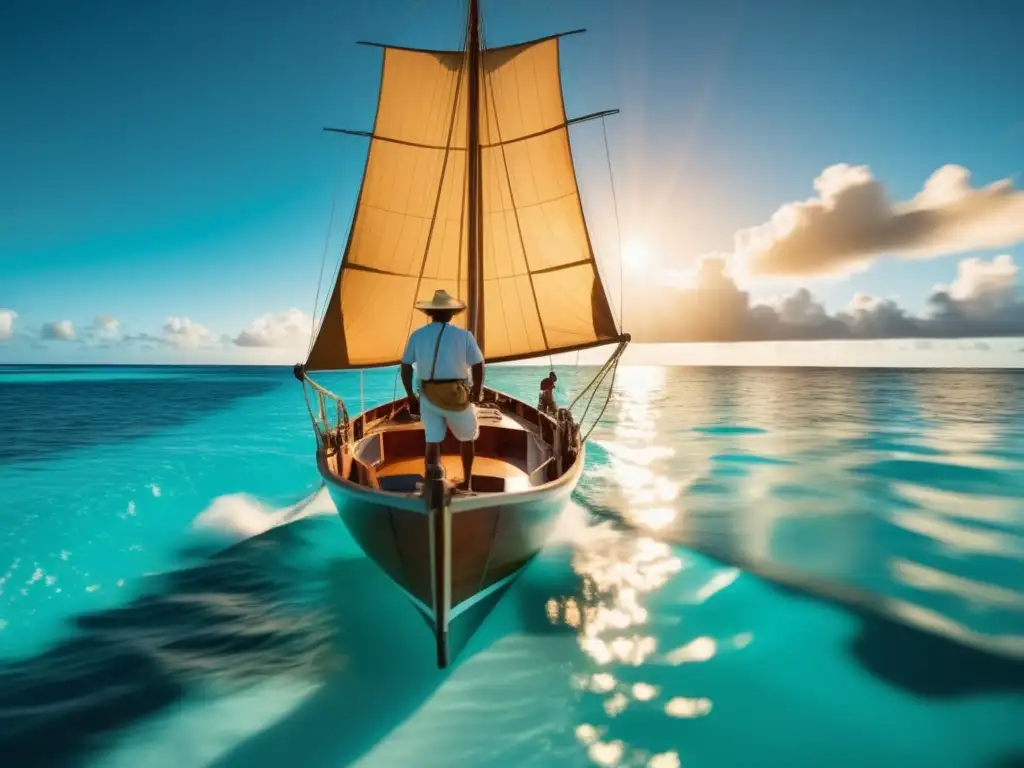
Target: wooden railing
x=331, y=434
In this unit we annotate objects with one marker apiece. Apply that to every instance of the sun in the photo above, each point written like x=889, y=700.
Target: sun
x=636, y=255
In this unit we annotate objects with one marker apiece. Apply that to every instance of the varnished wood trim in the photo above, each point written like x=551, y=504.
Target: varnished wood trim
x=569, y=122
x=443, y=52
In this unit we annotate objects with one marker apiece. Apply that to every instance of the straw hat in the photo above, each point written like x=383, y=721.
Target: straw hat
x=442, y=301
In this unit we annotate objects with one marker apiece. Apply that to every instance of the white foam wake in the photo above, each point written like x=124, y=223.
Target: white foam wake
x=241, y=516
x=573, y=523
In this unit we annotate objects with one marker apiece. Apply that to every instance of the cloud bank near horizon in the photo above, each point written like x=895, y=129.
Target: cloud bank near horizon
x=983, y=300
x=287, y=331
x=7, y=318
x=60, y=330
x=852, y=221
x=850, y=224
x=283, y=330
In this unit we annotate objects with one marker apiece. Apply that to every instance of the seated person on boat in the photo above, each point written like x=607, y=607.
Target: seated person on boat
x=444, y=356
x=547, y=394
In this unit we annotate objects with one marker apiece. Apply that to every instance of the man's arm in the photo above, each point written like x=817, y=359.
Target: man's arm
x=476, y=366
x=408, y=356
x=407, y=380
x=478, y=382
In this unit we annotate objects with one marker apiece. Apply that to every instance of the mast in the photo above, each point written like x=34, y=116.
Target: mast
x=549, y=291
x=474, y=320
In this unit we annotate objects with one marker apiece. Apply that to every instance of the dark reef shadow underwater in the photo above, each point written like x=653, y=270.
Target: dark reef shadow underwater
x=53, y=417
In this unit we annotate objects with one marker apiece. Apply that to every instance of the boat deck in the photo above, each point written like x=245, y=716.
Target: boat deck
x=403, y=475
x=513, y=451
x=487, y=417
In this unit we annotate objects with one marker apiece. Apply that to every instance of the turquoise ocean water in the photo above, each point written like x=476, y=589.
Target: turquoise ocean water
x=761, y=568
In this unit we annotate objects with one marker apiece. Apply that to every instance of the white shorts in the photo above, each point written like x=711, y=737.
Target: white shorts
x=463, y=424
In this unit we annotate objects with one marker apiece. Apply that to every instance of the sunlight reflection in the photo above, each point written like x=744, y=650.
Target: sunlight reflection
x=790, y=483
x=701, y=649
x=656, y=518
x=572, y=613
x=958, y=410
x=616, y=704
x=620, y=569
x=617, y=569
x=960, y=537
x=602, y=682
x=970, y=506
x=970, y=590
x=742, y=640
x=587, y=734
x=634, y=452
x=664, y=760
x=681, y=706
x=606, y=753
x=644, y=691
x=641, y=455
x=718, y=582
x=1011, y=645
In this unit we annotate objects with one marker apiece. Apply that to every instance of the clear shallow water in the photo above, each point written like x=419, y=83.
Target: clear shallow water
x=763, y=567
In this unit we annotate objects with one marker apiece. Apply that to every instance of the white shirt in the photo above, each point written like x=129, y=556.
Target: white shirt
x=457, y=353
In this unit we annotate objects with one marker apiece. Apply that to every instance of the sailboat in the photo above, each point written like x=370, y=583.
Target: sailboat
x=469, y=186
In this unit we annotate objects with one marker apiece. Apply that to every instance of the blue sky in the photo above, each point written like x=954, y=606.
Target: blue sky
x=166, y=160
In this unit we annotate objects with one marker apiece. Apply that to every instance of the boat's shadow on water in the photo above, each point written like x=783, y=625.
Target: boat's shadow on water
x=249, y=614
x=389, y=671
x=230, y=618
x=239, y=617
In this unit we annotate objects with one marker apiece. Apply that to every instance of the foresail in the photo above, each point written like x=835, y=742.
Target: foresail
x=541, y=289
x=407, y=237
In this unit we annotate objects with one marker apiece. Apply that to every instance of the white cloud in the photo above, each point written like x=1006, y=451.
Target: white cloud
x=288, y=329
x=60, y=330
x=985, y=300
x=7, y=318
x=853, y=220
x=107, y=325
x=983, y=295
x=104, y=331
x=871, y=317
x=987, y=285
x=181, y=332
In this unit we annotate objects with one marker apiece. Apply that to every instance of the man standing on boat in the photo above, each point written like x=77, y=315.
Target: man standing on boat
x=445, y=356
x=547, y=394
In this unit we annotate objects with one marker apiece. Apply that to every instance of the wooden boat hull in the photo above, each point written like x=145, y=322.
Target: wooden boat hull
x=456, y=561
x=485, y=549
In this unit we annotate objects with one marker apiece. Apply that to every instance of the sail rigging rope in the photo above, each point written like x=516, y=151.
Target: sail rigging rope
x=612, y=364
x=515, y=210
x=320, y=279
x=433, y=217
x=618, y=228
x=575, y=372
